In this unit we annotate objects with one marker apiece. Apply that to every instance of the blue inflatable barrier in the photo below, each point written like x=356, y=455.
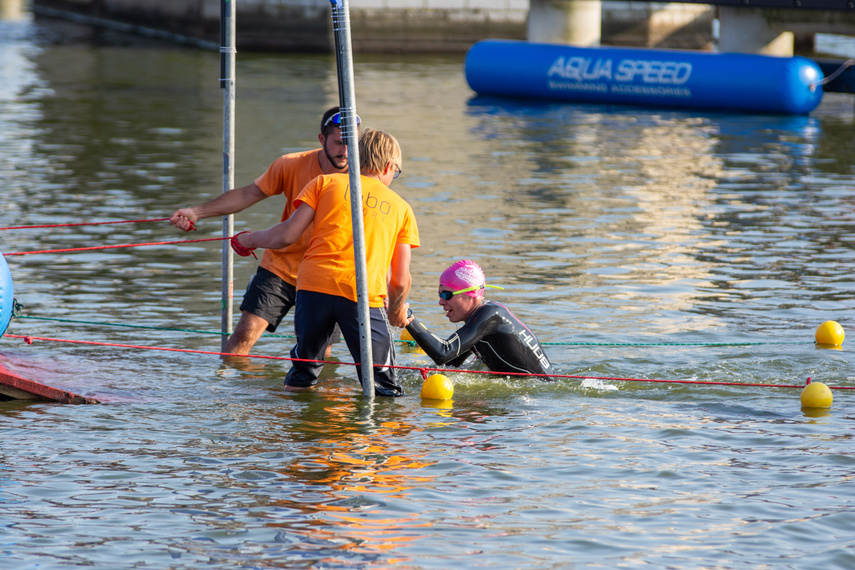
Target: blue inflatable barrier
x=651, y=77
x=6, y=295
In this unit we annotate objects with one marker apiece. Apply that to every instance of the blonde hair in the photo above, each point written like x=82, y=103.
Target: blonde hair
x=376, y=150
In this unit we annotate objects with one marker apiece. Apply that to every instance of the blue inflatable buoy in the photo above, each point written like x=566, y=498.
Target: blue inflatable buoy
x=651, y=77
x=7, y=301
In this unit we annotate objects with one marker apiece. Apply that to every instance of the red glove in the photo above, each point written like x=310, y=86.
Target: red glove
x=241, y=250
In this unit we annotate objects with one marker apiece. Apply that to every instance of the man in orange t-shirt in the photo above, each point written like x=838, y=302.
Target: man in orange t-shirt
x=326, y=281
x=271, y=291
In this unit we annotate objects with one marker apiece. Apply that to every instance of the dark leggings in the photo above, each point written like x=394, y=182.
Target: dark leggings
x=315, y=316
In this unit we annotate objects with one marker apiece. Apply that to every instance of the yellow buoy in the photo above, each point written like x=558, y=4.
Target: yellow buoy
x=437, y=387
x=831, y=333
x=443, y=406
x=816, y=395
x=405, y=335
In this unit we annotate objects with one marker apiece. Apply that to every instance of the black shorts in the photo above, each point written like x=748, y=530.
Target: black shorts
x=268, y=296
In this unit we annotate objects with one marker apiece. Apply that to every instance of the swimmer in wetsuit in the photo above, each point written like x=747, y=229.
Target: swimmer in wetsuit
x=490, y=331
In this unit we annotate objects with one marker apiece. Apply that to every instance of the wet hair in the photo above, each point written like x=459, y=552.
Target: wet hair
x=326, y=130
x=376, y=150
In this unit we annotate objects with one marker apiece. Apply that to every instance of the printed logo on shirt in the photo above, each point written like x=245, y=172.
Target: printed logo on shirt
x=370, y=204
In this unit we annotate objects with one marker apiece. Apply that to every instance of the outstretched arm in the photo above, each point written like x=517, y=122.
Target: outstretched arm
x=282, y=234
x=452, y=351
x=231, y=202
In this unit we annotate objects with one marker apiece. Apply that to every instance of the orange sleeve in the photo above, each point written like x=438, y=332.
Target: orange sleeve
x=272, y=182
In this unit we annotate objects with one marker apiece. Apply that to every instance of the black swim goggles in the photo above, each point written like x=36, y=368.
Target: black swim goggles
x=336, y=120
x=447, y=295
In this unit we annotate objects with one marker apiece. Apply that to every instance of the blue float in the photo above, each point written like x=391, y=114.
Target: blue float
x=7, y=301
x=650, y=77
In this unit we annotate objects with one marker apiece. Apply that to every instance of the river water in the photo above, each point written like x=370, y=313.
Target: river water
x=637, y=243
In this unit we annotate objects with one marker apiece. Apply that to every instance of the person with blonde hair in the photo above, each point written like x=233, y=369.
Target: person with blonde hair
x=326, y=280
x=271, y=291
x=490, y=330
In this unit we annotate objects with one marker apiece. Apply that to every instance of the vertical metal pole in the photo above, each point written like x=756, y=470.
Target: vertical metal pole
x=347, y=102
x=227, y=83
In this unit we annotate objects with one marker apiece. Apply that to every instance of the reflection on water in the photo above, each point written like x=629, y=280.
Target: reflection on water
x=658, y=210
x=603, y=223
x=343, y=451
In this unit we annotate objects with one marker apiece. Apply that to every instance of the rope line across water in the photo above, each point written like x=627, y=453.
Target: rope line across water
x=113, y=246
x=83, y=224
x=412, y=343
x=126, y=325
x=675, y=343
x=149, y=327
x=422, y=369
x=710, y=344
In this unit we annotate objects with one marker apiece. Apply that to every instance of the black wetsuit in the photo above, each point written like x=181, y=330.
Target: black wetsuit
x=495, y=335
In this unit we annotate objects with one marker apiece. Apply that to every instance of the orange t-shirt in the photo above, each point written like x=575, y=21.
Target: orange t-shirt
x=288, y=175
x=328, y=265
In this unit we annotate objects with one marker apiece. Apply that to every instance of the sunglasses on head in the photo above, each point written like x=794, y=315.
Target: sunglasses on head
x=336, y=120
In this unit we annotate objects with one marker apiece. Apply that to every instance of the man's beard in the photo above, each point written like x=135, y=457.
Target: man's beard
x=334, y=159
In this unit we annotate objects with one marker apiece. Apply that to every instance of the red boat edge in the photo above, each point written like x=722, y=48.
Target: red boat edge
x=17, y=387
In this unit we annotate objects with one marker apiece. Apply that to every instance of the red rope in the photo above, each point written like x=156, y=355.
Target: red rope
x=422, y=369
x=29, y=340
x=84, y=224
x=617, y=379
x=112, y=246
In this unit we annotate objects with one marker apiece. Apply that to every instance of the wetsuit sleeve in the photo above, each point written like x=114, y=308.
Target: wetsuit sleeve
x=449, y=351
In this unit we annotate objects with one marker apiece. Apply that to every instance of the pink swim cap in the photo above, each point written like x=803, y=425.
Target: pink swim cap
x=464, y=274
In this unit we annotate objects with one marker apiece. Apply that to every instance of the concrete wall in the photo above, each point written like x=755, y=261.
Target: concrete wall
x=433, y=25
x=421, y=26
x=305, y=25
x=391, y=25
x=658, y=24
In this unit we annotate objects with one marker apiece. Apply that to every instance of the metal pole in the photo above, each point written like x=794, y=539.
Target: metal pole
x=227, y=83
x=347, y=102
